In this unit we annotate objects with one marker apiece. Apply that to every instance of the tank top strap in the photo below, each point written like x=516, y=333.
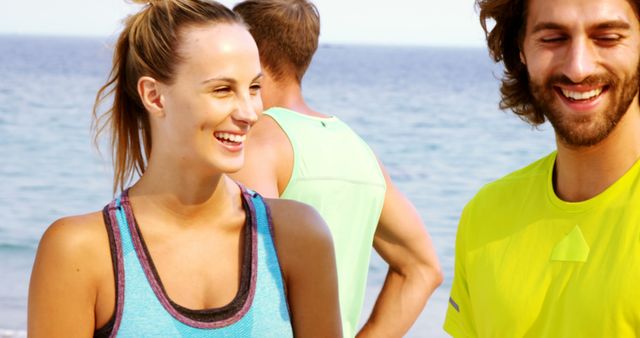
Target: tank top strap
x=141, y=307
x=257, y=208
x=270, y=274
x=115, y=221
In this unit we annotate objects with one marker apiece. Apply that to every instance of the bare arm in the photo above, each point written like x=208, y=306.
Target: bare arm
x=414, y=273
x=268, y=159
x=63, y=288
x=308, y=262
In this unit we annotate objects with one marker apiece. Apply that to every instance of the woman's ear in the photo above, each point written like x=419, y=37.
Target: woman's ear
x=151, y=96
x=522, y=58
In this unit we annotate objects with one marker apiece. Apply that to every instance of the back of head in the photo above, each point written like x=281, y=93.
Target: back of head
x=147, y=46
x=286, y=32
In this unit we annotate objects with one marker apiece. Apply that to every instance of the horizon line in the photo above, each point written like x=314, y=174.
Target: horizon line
x=321, y=44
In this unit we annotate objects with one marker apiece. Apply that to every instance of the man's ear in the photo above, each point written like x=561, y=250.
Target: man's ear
x=522, y=58
x=151, y=96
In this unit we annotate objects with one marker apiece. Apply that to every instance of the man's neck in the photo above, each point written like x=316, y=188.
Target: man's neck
x=288, y=94
x=582, y=173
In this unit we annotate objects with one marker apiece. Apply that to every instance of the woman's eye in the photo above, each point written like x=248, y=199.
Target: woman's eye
x=222, y=90
x=255, y=87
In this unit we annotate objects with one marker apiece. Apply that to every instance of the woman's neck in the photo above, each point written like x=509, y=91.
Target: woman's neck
x=185, y=196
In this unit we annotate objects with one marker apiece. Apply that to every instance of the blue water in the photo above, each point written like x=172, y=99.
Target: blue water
x=430, y=114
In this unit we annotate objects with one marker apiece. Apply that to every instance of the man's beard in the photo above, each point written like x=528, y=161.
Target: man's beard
x=592, y=129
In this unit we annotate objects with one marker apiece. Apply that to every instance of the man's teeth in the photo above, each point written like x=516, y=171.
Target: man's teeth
x=581, y=95
x=230, y=137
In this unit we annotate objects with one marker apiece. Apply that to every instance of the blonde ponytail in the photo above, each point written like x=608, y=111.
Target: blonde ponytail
x=146, y=47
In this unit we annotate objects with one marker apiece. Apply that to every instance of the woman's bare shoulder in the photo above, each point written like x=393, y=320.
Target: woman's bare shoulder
x=72, y=264
x=74, y=230
x=300, y=232
x=308, y=264
x=77, y=240
x=298, y=219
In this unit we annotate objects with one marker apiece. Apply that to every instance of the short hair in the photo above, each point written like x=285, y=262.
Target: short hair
x=505, y=41
x=286, y=32
x=147, y=46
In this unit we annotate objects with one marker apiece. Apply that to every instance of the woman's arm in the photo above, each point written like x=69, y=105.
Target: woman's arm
x=63, y=288
x=307, y=259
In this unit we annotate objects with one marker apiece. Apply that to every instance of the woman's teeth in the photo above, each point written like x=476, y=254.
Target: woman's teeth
x=230, y=137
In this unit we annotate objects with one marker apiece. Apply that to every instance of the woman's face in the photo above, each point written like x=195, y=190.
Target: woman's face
x=213, y=101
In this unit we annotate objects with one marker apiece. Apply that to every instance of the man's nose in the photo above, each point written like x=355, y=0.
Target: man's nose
x=580, y=60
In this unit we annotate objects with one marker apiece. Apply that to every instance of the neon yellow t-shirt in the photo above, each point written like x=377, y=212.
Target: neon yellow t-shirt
x=531, y=265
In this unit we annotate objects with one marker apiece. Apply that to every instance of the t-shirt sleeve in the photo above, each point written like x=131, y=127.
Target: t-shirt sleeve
x=459, y=319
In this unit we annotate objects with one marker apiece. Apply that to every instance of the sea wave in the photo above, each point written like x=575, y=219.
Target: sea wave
x=13, y=247
x=12, y=334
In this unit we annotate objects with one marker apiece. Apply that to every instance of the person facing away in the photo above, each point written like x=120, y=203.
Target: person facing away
x=297, y=153
x=553, y=249
x=184, y=252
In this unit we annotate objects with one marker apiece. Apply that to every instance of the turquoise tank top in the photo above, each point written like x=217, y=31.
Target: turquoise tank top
x=143, y=308
x=337, y=173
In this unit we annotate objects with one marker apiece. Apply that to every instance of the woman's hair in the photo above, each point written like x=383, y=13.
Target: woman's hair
x=286, y=32
x=147, y=46
x=505, y=41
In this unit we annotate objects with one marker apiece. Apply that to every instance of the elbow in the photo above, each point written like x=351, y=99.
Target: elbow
x=437, y=277
x=424, y=272
x=432, y=276
x=423, y=276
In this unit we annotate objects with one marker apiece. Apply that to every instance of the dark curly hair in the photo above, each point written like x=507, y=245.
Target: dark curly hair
x=505, y=41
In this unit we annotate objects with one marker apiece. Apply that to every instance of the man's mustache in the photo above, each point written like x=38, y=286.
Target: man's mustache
x=591, y=80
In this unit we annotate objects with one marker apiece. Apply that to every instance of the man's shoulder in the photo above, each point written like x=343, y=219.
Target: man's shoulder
x=286, y=118
x=517, y=185
x=275, y=127
x=322, y=130
x=502, y=206
x=266, y=133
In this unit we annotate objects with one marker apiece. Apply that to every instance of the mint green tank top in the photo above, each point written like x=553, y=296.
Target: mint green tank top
x=336, y=172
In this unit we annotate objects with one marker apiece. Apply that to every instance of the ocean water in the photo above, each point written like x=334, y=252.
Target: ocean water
x=429, y=113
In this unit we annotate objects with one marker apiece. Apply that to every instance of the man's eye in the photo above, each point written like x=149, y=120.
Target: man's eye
x=553, y=39
x=608, y=38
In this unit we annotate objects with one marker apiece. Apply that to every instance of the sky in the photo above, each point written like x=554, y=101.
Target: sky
x=397, y=22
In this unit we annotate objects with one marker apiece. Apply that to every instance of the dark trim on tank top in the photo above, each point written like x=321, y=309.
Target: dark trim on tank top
x=146, y=262
x=241, y=302
x=115, y=245
x=106, y=329
x=226, y=311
